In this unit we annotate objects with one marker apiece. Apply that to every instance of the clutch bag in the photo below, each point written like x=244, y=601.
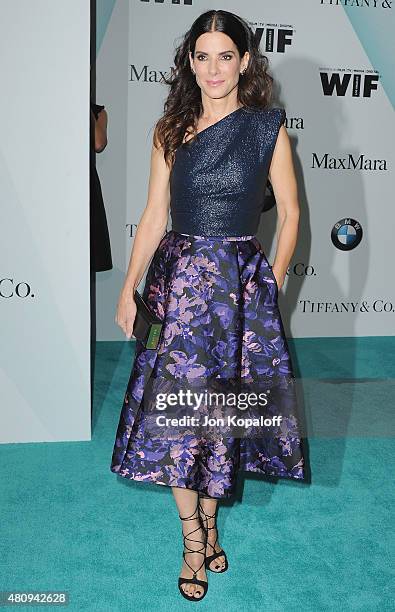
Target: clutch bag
x=147, y=326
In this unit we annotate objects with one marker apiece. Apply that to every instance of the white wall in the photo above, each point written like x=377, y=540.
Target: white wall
x=44, y=247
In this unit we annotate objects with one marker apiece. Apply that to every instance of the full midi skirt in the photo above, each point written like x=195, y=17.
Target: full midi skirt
x=218, y=300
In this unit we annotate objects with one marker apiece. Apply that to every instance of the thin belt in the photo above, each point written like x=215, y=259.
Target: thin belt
x=249, y=237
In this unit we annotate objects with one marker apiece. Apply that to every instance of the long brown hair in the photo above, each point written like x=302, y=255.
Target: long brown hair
x=183, y=105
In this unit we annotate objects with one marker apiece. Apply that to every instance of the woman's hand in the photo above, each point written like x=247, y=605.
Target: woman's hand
x=126, y=313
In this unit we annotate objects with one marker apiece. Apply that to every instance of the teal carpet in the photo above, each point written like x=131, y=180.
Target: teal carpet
x=68, y=523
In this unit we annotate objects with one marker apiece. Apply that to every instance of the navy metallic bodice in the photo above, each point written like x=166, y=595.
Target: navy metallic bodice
x=218, y=180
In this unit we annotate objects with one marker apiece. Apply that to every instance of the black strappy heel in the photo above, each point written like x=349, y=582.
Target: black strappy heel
x=215, y=555
x=202, y=551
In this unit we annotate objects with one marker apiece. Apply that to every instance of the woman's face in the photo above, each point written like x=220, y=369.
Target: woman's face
x=217, y=64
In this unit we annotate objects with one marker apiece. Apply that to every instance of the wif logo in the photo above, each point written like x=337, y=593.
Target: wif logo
x=354, y=84
x=274, y=39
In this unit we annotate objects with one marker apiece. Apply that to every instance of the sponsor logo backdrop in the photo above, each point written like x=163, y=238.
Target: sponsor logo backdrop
x=331, y=62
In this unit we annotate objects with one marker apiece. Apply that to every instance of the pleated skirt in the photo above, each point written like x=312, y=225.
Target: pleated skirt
x=222, y=329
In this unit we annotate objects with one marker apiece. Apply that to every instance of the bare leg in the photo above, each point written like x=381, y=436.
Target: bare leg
x=187, y=501
x=209, y=505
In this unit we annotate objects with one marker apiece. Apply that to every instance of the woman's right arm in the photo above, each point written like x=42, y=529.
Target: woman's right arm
x=150, y=231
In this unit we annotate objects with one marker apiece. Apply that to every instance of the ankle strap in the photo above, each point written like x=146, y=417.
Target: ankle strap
x=205, y=513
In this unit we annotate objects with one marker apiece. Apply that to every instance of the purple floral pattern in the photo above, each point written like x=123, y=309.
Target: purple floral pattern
x=217, y=298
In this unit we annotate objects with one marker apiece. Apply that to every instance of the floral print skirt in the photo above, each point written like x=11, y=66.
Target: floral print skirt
x=222, y=329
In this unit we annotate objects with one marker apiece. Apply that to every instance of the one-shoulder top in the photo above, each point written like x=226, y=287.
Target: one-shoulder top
x=218, y=179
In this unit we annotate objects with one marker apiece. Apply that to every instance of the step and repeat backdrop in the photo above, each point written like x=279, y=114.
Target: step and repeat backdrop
x=332, y=66
x=331, y=61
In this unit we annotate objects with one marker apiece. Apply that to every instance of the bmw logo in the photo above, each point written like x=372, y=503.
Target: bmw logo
x=346, y=234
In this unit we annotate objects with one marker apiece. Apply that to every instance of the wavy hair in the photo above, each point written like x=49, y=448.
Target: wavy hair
x=183, y=106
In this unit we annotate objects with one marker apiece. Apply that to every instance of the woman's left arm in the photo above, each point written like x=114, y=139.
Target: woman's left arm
x=283, y=179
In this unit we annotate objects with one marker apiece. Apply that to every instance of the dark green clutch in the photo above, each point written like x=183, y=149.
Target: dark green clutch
x=147, y=326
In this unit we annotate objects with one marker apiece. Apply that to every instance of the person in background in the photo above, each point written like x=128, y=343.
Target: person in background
x=100, y=247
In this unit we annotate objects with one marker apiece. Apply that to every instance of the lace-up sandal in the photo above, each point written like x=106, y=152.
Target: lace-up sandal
x=194, y=580
x=215, y=554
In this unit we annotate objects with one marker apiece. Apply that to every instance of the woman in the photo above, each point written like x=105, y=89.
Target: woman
x=212, y=286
